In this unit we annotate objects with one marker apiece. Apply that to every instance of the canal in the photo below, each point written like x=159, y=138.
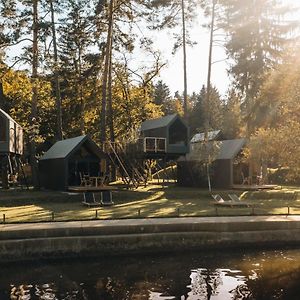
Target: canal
x=268, y=274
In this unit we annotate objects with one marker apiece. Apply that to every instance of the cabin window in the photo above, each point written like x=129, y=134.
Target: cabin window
x=178, y=133
x=3, y=127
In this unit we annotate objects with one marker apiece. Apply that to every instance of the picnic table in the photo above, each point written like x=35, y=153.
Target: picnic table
x=89, y=194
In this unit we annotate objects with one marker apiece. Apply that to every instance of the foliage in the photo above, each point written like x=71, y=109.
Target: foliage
x=215, y=111
x=232, y=117
x=277, y=139
x=17, y=90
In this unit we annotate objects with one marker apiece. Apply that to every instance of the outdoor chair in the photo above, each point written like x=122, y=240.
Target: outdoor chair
x=234, y=197
x=106, y=198
x=84, y=180
x=245, y=179
x=218, y=198
x=89, y=199
x=219, y=201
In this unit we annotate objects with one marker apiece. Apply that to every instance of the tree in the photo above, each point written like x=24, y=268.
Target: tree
x=197, y=114
x=59, y=129
x=131, y=106
x=34, y=97
x=161, y=93
x=185, y=100
x=257, y=35
x=77, y=60
x=232, y=117
x=276, y=140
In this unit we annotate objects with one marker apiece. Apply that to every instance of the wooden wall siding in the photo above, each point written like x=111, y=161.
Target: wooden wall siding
x=11, y=135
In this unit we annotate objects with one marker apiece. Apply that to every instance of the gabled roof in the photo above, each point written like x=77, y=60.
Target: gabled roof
x=199, y=137
x=227, y=149
x=64, y=148
x=158, y=123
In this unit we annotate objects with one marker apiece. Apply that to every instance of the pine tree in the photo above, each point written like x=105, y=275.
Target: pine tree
x=257, y=36
x=232, y=116
x=161, y=93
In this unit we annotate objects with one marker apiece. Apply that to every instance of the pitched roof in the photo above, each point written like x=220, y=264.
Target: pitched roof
x=227, y=149
x=158, y=123
x=199, y=137
x=63, y=148
x=230, y=148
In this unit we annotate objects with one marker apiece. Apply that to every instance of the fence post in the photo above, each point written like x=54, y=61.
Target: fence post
x=178, y=212
x=288, y=210
x=139, y=213
x=52, y=216
x=3, y=218
x=216, y=211
x=96, y=214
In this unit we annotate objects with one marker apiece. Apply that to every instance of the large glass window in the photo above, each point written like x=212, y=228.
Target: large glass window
x=3, y=128
x=178, y=134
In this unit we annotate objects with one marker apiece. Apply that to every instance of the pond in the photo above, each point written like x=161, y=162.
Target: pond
x=269, y=274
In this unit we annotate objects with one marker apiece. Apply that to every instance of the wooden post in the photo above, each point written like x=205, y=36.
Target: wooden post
x=178, y=212
x=4, y=173
x=288, y=210
x=96, y=214
x=4, y=219
x=52, y=216
x=139, y=213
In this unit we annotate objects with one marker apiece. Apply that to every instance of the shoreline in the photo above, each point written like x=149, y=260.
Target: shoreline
x=114, y=237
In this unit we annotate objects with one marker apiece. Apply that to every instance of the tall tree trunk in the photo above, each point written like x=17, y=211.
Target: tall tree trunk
x=208, y=90
x=34, y=77
x=184, y=62
x=4, y=172
x=110, y=108
x=1, y=96
x=106, y=72
x=81, y=98
x=59, y=131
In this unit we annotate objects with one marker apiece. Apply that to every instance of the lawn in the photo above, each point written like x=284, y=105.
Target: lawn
x=151, y=201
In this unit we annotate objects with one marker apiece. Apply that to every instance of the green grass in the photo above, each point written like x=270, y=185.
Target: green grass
x=151, y=201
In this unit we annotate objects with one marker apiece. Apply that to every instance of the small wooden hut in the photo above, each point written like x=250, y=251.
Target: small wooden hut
x=191, y=169
x=67, y=160
x=168, y=135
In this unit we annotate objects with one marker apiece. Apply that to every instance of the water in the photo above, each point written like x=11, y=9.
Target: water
x=272, y=274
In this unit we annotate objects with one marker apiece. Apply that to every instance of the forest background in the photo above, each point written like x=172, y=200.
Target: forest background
x=72, y=73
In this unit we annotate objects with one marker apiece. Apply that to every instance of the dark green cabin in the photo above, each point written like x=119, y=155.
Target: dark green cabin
x=62, y=165
x=168, y=135
x=225, y=169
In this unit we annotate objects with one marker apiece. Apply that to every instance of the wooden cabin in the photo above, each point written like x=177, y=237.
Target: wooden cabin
x=168, y=135
x=225, y=172
x=11, y=135
x=67, y=160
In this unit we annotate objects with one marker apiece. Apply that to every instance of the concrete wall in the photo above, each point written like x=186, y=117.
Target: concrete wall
x=112, y=237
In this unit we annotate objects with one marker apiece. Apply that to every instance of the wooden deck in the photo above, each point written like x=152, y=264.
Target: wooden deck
x=233, y=204
x=255, y=187
x=84, y=189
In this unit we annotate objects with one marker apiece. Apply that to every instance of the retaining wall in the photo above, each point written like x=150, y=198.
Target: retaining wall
x=113, y=237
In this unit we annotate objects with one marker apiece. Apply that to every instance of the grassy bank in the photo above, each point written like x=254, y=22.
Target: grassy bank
x=151, y=201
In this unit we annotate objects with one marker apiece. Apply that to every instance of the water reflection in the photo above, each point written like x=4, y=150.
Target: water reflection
x=192, y=276
x=218, y=284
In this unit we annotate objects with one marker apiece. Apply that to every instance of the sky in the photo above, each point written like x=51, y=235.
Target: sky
x=197, y=62
x=197, y=57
